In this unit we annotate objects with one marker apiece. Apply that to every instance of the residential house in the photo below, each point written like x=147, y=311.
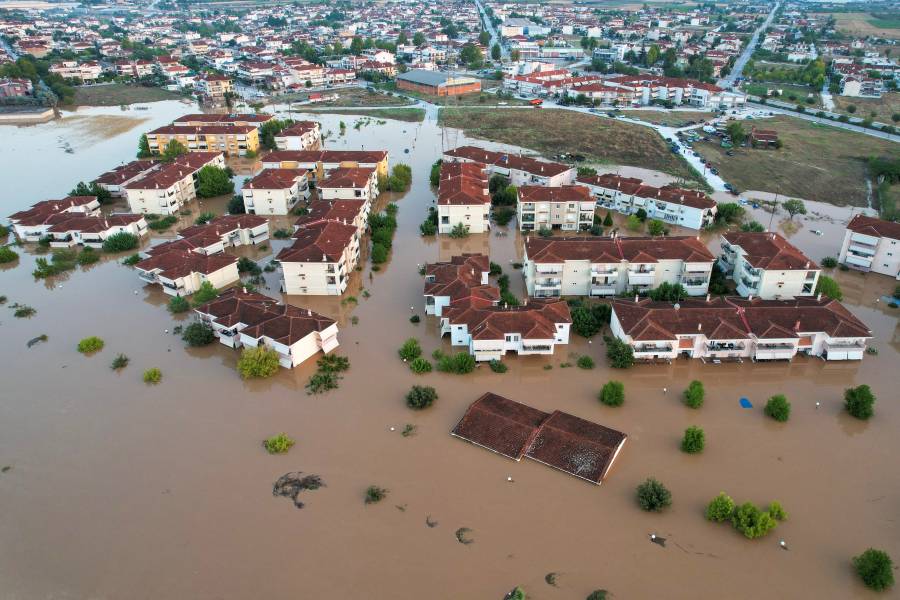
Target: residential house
x=519, y=170
x=225, y=231
x=233, y=119
x=320, y=162
x=722, y=329
x=352, y=212
x=610, y=266
x=567, y=207
x=872, y=244
x=86, y=72
x=349, y=183
x=233, y=140
x=32, y=224
x=463, y=197
x=241, y=318
x=670, y=204
x=182, y=272
x=275, y=191
x=320, y=260
x=767, y=265
x=302, y=135
x=114, y=181
x=213, y=88
x=166, y=187
x=92, y=231
x=464, y=277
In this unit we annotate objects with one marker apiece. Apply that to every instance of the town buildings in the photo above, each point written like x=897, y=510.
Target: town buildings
x=767, y=266
x=567, y=207
x=302, y=135
x=182, y=272
x=610, y=266
x=320, y=260
x=232, y=140
x=222, y=232
x=164, y=188
x=320, y=162
x=463, y=198
x=720, y=329
x=437, y=83
x=275, y=191
x=872, y=244
x=670, y=204
x=519, y=170
x=349, y=183
x=32, y=224
x=241, y=318
x=79, y=230
x=464, y=276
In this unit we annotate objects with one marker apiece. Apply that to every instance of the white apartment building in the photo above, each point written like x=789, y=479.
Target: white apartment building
x=627, y=195
x=32, y=224
x=735, y=329
x=275, y=191
x=609, y=266
x=349, y=183
x=520, y=170
x=91, y=232
x=86, y=72
x=568, y=207
x=463, y=279
x=320, y=260
x=182, y=272
x=463, y=198
x=164, y=189
x=302, y=135
x=767, y=266
x=872, y=244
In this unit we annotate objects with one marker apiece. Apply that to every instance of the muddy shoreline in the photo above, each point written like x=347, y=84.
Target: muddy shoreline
x=116, y=486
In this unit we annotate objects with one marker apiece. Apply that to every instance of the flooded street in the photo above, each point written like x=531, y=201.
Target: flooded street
x=118, y=489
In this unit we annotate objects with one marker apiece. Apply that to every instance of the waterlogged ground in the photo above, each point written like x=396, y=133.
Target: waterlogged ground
x=118, y=489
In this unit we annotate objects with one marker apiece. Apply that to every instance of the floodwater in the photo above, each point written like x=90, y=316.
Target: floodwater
x=122, y=490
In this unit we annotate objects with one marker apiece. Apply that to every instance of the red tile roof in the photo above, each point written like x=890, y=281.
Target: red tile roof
x=874, y=227
x=299, y=128
x=510, y=161
x=564, y=193
x=768, y=250
x=44, y=210
x=224, y=118
x=85, y=224
x=347, y=178
x=327, y=156
x=202, y=130
x=321, y=242
x=613, y=250
x=343, y=211
x=536, y=320
x=461, y=279
x=463, y=184
x=274, y=179
x=181, y=263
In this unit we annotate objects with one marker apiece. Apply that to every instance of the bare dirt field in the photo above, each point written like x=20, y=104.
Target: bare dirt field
x=884, y=107
x=115, y=94
x=862, y=23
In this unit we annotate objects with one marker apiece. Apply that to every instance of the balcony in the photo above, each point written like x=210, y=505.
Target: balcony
x=603, y=289
x=548, y=270
x=725, y=347
x=537, y=348
x=859, y=261
x=774, y=351
x=698, y=282
x=641, y=277
x=607, y=272
x=148, y=277
x=548, y=283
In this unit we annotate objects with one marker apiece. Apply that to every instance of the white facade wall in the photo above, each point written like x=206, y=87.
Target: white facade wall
x=474, y=216
x=870, y=253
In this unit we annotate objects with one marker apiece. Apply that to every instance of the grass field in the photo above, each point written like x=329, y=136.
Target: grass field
x=884, y=107
x=552, y=131
x=412, y=115
x=817, y=162
x=349, y=97
x=789, y=92
x=671, y=118
x=115, y=94
x=862, y=23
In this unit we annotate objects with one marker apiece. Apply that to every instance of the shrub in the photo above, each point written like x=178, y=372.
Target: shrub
x=498, y=367
x=656, y=228
x=545, y=231
x=131, y=260
x=517, y=594
x=415, y=319
x=597, y=595
x=89, y=345
x=258, y=362
x=375, y=494
x=619, y=354
x=322, y=381
x=428, y=227
x=720, y=508
x=163, y=223
x=460, y=230
x=502, y=216
x=653, y=496
x=829, y=262
x=120, y=242
x=613, y=393
x=585, y=362
x=23, y=311
x=88, y=256
x=198, y=334
x=829, y=287
x=236, y=205
x=875, y=568
x=379, y=254
x=206, y=293
x=693, y=395
x=498, y=270
x=278, y=444
x=751, y=521
x=778, y=408
x=410, y=349
x=694, y=440
x=420, y=397
x=333, y=363
x=178, y=305
x=860, y=402
x=420, y=365
x=204, y=218
x=248, y=265
x=282, y=233
x=119, y=362
x=776, y=511
x=152, y=376
x=7, y=254
x=460, y=363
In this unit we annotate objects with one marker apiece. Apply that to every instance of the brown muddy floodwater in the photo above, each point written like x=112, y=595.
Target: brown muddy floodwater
x=122, y=490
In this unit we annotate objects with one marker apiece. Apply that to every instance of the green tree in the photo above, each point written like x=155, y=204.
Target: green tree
x=213, y=181
x=694, y=440
x=257, y=363
x=495, y=52
x=875, y=568
x=178, y=305
x=608, y=220
x=236, y=205
x=206, y=293
x=613, y=393
x=729, y=212
x=173, y=150
x=794, y=207
x=778, y=408
x=656, y=228
x=751, y=521
x=356, y=46
x=653, y=496
x=90, y=345
x=144, y=147
x=198, y=334
x=829, y=287
x=652, y=55
x=619, y=354
x=120, y=242
x=471, y=55
x=420, y=397
x=735, y=129
x=720, y=508
x=633, y=223
x=484, y=38
x=693, y=395
x=860, y=401
x=418, y=38
x=410, y=349
x=270, y=129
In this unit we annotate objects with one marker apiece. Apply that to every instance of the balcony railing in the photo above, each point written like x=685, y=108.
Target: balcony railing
x=652, y=349
x=537, y=348
x=548, y=282
x=725, y=347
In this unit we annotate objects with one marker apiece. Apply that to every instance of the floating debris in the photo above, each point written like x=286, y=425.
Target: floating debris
x=35, y=340
x=658, y=540
x=290, y=485
x=6, y=469
x=462, y=536
x=430, y=522
x=409, y=430
x=400, y=507
x=550, y=578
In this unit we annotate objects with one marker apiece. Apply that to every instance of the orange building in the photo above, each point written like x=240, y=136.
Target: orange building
x=437, y=83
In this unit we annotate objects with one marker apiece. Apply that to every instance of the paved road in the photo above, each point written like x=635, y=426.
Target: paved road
x=741, y=62
x=495, y=36
x=773, y=106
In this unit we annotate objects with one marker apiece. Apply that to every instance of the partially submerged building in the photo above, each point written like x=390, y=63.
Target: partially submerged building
x=320, y=260
x=559, y=440
x=241, y=318
x=275, y=191
x=732, y=328
x=767, y=265
x=32, y=224
x=520, y=170
x=567, y=207
x=182, y=272
x=872, y=244
x=463, y=198
x=465, y=276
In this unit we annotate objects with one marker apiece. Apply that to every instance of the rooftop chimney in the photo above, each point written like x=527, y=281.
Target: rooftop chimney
x=635, y=298
x=708, y=297
x=699, y=326
x=750, y=297
x=819, y=297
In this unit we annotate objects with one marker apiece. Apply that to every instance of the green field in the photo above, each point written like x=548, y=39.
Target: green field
x=412, y=115
x=115, y=94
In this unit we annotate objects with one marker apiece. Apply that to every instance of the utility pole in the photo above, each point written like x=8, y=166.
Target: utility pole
x=774, y=208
